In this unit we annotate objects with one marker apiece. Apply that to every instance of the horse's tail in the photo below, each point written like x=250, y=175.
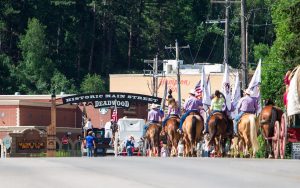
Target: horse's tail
x=215, y=123
x=194, y=125
x=253, y=134
x=273, y=120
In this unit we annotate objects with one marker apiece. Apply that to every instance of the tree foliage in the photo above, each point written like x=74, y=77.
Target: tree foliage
x=284, y=53
x=42, y=42
x=92, y=84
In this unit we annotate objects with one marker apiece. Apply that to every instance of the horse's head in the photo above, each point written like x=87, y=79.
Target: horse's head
x=269, y=102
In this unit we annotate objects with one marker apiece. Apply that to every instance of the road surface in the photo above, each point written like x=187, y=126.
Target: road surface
x=142, y=172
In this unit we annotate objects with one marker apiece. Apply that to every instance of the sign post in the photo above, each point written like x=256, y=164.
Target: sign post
x=51, y=131
x=296, y=150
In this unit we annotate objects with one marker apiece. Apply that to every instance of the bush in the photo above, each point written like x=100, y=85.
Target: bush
x=262, y=147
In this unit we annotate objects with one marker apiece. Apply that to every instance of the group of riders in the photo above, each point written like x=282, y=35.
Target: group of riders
x=246, y=104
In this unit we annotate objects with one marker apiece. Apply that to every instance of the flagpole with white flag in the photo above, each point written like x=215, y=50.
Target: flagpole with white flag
x=236, y=95
x=226, y=87
x=163, y=101
x=255, y=84
x=205, y=90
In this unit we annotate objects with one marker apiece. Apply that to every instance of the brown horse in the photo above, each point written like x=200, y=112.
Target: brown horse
x=247, y=131
x=268, y=116
x=172, y=135
x=217, y=126
x=192, y=133
x=152, y=138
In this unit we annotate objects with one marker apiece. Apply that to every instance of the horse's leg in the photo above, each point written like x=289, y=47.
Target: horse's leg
x=174, y=146
x=247, y=143
x=187, y=148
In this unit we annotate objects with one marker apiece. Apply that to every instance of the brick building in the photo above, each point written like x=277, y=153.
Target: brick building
x=22, y=115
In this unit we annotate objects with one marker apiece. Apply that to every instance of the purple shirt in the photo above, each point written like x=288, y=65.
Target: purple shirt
x=247, y=104
x=154, y=115
x=173, y=111
x=192, y=103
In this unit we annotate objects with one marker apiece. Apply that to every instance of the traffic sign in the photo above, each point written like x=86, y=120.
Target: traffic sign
x=296, y=150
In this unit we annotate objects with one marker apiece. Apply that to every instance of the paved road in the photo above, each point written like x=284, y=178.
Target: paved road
x=140, y=172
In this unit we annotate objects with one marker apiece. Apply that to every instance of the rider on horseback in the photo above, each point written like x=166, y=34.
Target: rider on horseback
x=216, y=106
x=154, y=116
x=173, y=110
x=192, y=104
x=247, y=104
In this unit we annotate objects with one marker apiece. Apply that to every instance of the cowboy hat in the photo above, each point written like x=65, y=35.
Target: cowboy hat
x=248, y=91
x=192, y=91
x=153, y=105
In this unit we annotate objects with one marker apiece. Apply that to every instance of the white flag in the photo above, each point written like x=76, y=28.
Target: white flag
x=208, y=87
x=236, y=95
x=255, y=84
x=205, y=90
x=226, y=88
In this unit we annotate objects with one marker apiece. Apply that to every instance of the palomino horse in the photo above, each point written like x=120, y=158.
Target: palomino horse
x=247, y=131
x=172, y=135
x=152, y=138
x=192, y=133
x=268, y=116
x=217, y=126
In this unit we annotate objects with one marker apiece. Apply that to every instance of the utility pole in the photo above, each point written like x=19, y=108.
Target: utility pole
x=244, y=37
x=178, y=68
x=226, y=21
x=51, y=129
x=226, y=33
x=243, y=46
x=154, y=73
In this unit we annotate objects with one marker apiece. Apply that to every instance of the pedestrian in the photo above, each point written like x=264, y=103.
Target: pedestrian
x=130, y=146
x=90, y=144
x=180, y=148
x=206, y=147
x=164, y=152
x=87, y=127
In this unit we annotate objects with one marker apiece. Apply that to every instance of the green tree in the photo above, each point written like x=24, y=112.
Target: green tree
x=36, y=69
x=60, y=83
x=285, y=51
x=92, y=84
x=7, y=80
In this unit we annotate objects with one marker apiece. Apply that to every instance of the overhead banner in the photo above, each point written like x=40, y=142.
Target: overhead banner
x=102, y=100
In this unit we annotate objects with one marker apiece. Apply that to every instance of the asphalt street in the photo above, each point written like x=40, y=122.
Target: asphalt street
x=142, y=172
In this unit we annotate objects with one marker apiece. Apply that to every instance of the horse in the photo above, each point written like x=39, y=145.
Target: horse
x=192, y=133
x=172, y=135
x=217, y=126
x=268, y=116
x=247, y=131
x=152, y=138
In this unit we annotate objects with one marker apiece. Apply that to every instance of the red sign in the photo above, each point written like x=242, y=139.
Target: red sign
x=65, y=140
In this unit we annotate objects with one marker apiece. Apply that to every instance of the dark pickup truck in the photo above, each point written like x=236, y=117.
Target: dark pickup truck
x=102, y=144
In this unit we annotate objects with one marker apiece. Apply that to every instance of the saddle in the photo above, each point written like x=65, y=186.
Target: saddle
x=158, y=124
x=174, y=116
x=243, y=116
x=194, y=113
x=221, y=113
